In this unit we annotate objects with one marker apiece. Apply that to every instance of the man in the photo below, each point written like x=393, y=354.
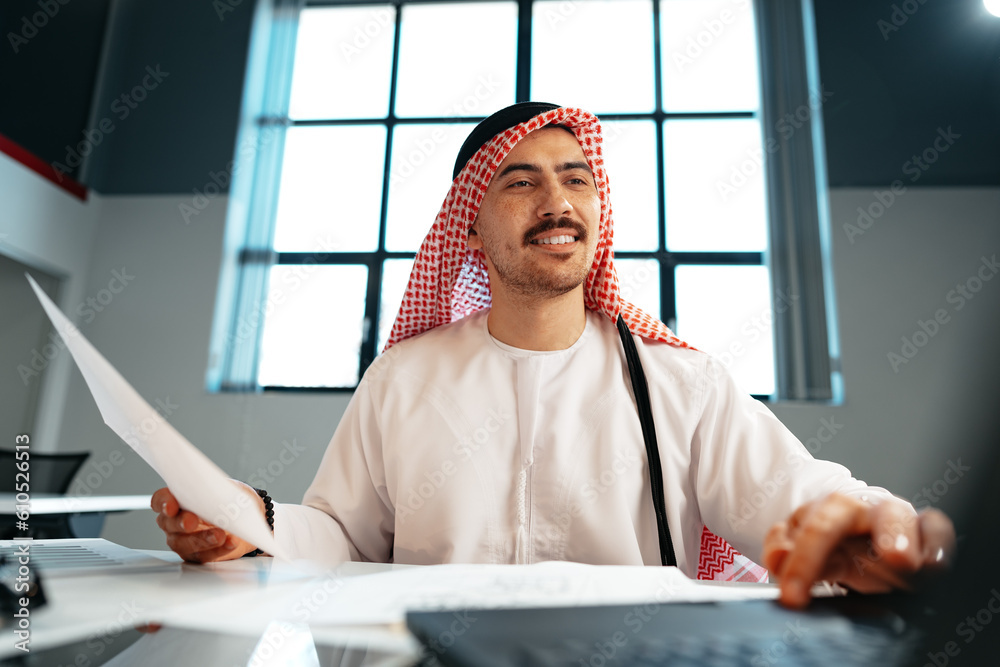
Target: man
x=500, y=424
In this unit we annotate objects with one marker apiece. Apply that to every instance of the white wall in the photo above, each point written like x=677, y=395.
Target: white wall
x=898, y=429
x=45, y=228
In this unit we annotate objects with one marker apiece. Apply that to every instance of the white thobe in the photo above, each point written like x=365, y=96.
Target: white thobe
x=456, y=448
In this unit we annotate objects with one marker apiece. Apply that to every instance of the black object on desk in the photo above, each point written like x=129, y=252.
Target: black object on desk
x=47, y=473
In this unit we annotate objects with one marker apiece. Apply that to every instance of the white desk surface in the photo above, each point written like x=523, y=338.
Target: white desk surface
x=225, y=609
x=99, y=607
x=50, y=503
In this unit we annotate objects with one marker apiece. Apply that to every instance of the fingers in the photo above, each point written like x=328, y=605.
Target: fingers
x=232, y=547
x=896, y=535
x=188, y=535
x=815, y=531
x=164, y=502
x=938, y=540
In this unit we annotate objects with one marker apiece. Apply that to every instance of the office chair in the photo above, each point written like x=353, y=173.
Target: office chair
x=47, y=473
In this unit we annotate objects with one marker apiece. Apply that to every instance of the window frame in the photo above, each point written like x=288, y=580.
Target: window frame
x=235, y=357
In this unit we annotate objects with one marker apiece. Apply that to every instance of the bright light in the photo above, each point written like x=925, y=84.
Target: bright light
x=993, y=7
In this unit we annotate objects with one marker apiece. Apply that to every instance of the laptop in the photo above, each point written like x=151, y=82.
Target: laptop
x=948, y=622
x=84, y=556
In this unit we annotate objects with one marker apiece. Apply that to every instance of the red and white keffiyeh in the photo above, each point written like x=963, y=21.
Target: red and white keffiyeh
x=449, y=280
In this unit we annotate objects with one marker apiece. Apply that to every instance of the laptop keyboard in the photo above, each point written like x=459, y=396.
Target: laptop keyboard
x=863, y=646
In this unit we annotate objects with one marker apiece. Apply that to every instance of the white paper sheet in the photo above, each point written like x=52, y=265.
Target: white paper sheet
x=386, y=597
x=199, y=485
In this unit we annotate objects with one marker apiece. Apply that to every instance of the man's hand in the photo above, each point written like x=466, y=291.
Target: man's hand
x=194, y=540
x=868, y=548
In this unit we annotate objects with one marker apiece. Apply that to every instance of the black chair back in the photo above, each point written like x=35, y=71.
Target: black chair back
x=47, y=473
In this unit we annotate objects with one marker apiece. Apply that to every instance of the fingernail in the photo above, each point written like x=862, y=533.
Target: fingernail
x=163, y=507
x=939, y=556
x=212, y=539
x=902, y=542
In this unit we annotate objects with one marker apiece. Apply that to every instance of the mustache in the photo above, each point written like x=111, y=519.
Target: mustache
x=559, y=223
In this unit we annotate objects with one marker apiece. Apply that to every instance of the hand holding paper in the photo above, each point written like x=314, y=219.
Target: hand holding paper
x=199, y=485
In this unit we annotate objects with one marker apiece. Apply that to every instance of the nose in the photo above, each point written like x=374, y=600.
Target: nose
x=552, y=200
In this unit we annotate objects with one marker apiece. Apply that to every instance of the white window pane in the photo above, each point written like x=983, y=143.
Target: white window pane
x=395, y=275
x=630, y=158
x=595, y=54
x=419, y=177
x=313, y=326
x=709, y=56
x=639, y=283
x=456, y=59
x=726, y=311
x=714, y=177
x=343, y=62
x=331, y=189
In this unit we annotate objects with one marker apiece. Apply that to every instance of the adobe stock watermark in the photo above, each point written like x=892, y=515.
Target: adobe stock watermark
x=751, y=506
x=967, y=629
x=462, y=453
x=785, y=127
x=915, y=167
x=122, y=107
x=224, y=7
x=292, y=279
x=608, y=649
x=931, y=494
x=87, y=309
x=378, y=20
x=30, y=25
x=265, y=475
x=708, y=33
x=959, y=296
x=779, y=648
x=99, y=642
x=422, y=149
x=927, y=497
x=556, y=14
x=898, y=17
x=553, y=537
x=218, y=181
x=753, y=328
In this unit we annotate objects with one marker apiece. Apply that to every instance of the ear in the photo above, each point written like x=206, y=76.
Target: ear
x=475, y=242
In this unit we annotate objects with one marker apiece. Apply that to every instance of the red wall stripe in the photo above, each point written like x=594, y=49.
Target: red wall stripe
x=43, y=168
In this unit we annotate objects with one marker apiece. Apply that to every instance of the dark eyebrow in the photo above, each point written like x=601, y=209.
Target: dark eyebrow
x=566, y=166
x=526, y=166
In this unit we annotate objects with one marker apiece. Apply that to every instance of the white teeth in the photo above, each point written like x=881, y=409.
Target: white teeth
x=555, y=240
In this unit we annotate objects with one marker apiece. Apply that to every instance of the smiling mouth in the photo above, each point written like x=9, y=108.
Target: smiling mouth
x=561, y=239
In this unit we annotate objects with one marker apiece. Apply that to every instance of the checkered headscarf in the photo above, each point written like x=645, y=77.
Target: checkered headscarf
x=449, y=280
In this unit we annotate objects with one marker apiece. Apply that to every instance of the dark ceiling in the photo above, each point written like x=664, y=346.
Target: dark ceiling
x=894, y=88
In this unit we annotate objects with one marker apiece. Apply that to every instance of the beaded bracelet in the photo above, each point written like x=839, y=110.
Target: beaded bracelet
x=269, y=514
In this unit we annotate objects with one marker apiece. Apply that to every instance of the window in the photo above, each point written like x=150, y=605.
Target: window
x=370, y=103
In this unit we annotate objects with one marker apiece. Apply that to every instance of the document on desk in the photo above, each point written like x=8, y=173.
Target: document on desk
x=386, y=597
x=199, y=485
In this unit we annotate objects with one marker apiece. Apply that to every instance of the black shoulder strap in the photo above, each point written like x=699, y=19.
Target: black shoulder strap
x=641, y=391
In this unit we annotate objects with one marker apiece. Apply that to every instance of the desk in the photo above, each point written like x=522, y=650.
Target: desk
x=91, y=619
x=220, y=613
x=60, y=516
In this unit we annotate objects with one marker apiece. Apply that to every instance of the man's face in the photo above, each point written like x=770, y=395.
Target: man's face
x=539, y=221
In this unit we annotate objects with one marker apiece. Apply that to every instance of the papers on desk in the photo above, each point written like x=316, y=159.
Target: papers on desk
x=386, y=597
x=364, y=594
x=199, y=485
